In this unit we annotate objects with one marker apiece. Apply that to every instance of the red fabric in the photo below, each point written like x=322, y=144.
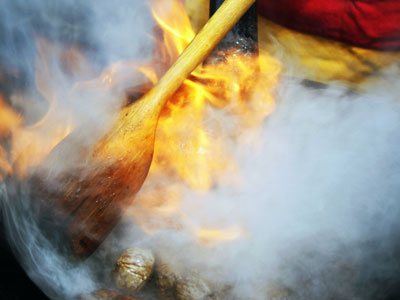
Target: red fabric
x=365, y=23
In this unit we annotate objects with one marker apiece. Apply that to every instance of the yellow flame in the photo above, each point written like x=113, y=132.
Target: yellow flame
x=211, y=236
x=178, y=33
x=9, y=119
x=9, y=122
x=30, y=144
x=188, y=148
x=192, y=147
x=149, y=72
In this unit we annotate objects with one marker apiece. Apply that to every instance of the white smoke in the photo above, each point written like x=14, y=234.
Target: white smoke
x=34, y=71
x=318, y=201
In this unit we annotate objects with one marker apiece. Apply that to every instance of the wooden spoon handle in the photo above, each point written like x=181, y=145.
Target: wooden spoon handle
x=197, y=51
x=243, y=36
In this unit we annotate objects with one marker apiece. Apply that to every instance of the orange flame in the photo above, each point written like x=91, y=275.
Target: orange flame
x=192, y=143
x=212, y=236
x=9, y=122
x=193, y=140
x=30, y=144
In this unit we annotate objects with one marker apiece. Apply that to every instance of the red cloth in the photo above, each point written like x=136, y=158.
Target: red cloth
x=364, y=23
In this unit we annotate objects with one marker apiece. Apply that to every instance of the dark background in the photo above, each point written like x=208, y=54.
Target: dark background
x=14, y=283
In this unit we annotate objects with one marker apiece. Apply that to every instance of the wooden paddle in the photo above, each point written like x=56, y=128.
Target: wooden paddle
x=82, y=209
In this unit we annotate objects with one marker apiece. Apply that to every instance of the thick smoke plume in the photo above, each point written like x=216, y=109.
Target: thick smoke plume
x=319, y=182
x=55, y=59
x=318, y=202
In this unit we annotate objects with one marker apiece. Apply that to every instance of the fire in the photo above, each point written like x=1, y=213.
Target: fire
x=192, y=148
x=211, y=236
x=30, y=144
x=9, y=121
x=193, y=139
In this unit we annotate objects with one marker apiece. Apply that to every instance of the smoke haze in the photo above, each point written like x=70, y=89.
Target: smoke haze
x=318, y=202
x=316, y=197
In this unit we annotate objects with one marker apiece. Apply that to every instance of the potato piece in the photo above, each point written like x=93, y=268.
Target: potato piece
x=133, y=269
x=193, y=287
x=165, y=280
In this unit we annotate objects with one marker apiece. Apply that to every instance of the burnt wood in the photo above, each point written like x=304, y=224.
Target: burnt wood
x=242, y=38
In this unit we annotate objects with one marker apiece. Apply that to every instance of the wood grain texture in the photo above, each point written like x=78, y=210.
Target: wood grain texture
x=197, y=51
x=89, y=203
